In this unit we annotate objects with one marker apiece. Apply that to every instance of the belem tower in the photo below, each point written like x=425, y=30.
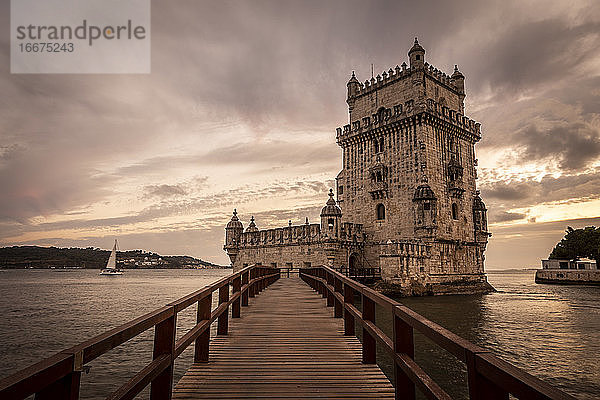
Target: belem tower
x=406, y=196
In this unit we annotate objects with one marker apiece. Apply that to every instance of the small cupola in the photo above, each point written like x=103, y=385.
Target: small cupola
x=331, y=208
x=235, y=222
x=353, y=86
x=458, y=79
x=252, y=226
x=331, y=218
x=416, y=55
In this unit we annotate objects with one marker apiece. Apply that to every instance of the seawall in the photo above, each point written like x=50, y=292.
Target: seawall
x=568, y=276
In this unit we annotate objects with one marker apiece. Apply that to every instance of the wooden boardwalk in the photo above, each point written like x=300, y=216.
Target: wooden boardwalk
x=286, y=345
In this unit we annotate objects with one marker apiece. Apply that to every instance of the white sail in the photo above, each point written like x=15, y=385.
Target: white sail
x=112, y=260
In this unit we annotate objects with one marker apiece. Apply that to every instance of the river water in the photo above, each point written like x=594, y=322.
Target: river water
x=551, y=331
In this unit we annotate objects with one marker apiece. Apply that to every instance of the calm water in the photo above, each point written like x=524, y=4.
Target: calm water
x=551, y=331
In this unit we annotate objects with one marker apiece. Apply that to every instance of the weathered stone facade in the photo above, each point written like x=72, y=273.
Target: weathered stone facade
x=407, y=190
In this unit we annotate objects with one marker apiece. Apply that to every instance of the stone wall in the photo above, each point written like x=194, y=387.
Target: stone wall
x=568, y=276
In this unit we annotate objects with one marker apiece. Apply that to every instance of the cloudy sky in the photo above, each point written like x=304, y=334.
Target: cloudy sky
x=241, y=107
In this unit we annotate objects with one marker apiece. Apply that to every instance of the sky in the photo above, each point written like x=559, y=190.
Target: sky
x=241, y=107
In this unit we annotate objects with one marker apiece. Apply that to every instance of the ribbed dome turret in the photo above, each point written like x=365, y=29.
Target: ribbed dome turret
x=331, y=209
x=478, y=204
x=353, y=79
x=424, y=192
x=416, y=47
x=457, y=74
x=252, y=226
x=234, y=222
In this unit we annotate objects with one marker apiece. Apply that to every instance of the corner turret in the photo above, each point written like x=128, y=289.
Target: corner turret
x=233, y=231
x=458, y=80
x=353, y=86
x=331, y=217
x=480, y=218
x=416, y=56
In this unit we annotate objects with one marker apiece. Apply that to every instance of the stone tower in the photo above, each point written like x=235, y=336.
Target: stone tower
x=407, y=201
x=409, y=175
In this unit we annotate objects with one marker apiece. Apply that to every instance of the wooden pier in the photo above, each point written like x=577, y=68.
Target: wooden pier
x=286, y=347
x=294, y=341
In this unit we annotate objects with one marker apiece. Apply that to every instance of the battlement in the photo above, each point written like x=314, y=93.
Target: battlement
x=298, y=234
x=402, y=72
x=388, y=117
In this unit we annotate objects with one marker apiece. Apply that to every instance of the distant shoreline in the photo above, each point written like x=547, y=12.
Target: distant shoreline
x=37, y=257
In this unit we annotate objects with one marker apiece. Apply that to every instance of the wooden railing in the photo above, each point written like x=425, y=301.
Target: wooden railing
x=489, y=378
x=58, y=377
x=360, y=273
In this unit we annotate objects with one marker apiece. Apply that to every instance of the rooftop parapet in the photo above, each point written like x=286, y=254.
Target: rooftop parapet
x=404, y=111
x=297, y=234
x=398, y=73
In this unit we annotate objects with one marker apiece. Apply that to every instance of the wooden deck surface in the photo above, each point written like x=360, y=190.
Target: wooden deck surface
x=287, y=345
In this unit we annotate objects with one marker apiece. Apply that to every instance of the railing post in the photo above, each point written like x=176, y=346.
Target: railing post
x=261, y=282
x=245, y=293
x=369, y=354
x=161, y=387
x=348, y=317
x=323, y=275
x=201, y=347
x=403, y=343
x=481, y=388
x=65, y=388
x=337, y=313
x=235, y=307
x=251, y=288
x=330, y=296
x=223, y=323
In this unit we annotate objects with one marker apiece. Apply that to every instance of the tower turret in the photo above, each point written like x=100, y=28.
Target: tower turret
x=458, y=80
x=480, y=218
x=353, y=89
x=331, y=217
x=233, y=231
x=252, y=226
x=353, y=86
x=416, y=56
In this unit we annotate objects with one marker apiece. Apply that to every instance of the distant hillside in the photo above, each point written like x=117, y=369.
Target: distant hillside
x=48, y=257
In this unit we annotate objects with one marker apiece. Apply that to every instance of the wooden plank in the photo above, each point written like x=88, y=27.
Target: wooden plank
x=285, y=346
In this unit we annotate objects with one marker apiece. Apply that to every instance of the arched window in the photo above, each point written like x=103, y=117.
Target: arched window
x=381, y=144
x=330, y=223
x=380, y=211
x=376, y=146
x=454, y=211
x=378, y=177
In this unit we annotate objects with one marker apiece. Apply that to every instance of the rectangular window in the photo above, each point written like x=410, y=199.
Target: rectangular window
x=341, y=190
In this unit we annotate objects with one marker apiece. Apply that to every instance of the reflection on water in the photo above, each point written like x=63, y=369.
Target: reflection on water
x=47, y=311
x=551, y=331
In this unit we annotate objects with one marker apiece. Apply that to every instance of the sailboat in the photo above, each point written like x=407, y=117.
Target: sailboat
x=111, y=265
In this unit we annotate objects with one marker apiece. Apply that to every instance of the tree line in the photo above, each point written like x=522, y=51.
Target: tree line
x=578, y=243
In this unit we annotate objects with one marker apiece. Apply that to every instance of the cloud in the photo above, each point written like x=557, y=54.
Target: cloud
x=574, y=145
x=248, y=97
x=504, y=216
x=529, y=192
x=164, y=191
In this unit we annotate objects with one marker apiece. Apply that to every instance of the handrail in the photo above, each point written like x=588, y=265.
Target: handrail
x=58, y=376
x=488, y=376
